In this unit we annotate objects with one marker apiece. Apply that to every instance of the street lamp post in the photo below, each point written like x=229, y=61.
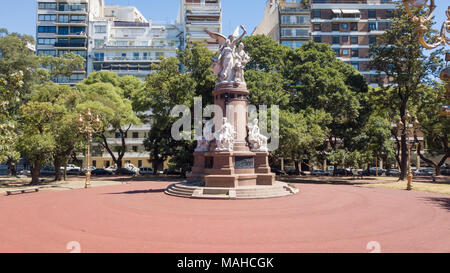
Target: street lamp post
x=409, y=135
x=422, y=29
x=88, y=126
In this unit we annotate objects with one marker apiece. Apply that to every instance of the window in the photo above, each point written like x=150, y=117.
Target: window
x=94, y=163
x=77, y=18
x=99, y=56
x=301, y=32
x=47, y=17
x=355, y=53
x=135, y=148
x=345, y=52
x=317, y=26
x=288, y=43
x=46, y=41
x=354, y=26
x=79, y=7
x=344, y=26
x=47, y=52
x=77, y=30
x=100, y=29
x=318, y=39
x=372, y=40
x=135, y=135
x=355, y=65
x=139, y=163
x=99, y=43
x=337, y=51
x=46, y=29
x=389, y=13
x=354, y=40
x=335, y=27
x=286, y=32
x=316, y=13
x=46, y=5
x=372, y=14
x=372, y=26
x=63, y=30
x=136, y=57
x=335, y=39
x=63, y=18
x=345, y=39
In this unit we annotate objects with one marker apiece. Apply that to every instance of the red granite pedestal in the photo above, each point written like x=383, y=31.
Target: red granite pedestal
x=240, y=167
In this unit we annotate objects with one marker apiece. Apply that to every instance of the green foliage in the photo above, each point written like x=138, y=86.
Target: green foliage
x=266, y=88
x=266, y=54
x=197, y=60
x=62, y=66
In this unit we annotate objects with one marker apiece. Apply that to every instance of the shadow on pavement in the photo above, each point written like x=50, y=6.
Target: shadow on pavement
x=140, y=191
x=444, y=202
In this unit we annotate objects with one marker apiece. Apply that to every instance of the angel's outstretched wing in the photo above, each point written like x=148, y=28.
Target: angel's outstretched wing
x=219, y=37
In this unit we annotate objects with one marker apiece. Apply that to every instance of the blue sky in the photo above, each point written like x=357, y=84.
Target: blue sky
x=20, y=15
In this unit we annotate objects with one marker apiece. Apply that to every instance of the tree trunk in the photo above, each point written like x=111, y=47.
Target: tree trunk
x=297, y=168
x=57, y=164
x=35, y=170
x=404, y=157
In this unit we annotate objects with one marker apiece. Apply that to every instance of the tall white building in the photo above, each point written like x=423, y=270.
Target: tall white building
x=123, y=41
x=63, y=26
x=196, y=15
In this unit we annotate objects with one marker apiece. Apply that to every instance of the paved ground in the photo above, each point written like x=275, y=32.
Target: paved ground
x=139, y=217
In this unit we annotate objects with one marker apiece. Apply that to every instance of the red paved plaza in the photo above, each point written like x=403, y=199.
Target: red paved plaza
x=139, y=217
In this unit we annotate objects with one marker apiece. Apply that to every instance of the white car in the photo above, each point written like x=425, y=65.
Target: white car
x=145, y=170
x=71, y=167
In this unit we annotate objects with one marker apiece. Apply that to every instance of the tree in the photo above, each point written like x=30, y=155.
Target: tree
x=266, y=54
x=301, y=133
x=266, y=88
x=435, y=127
x=163, y=91
x=37, y=141
x=102, y=93
x=400, y=57
x=197, y=60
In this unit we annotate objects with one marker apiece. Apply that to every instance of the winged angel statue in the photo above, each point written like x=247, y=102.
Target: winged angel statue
x=228, y=67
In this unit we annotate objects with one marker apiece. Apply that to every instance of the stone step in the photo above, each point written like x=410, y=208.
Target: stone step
x=180, y=192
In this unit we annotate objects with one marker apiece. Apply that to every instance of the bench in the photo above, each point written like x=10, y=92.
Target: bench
x=9, y=192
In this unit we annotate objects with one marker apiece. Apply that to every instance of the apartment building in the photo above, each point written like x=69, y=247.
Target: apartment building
x=135, y=151
x=349, y=26
x=287, y=22
x=196, y=15
x=123, y=41
x=63, y=26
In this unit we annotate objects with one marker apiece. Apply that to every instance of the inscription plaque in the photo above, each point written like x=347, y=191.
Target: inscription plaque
x=244, y=162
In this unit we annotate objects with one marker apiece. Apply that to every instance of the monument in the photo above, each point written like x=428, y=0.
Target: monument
x=231, y=156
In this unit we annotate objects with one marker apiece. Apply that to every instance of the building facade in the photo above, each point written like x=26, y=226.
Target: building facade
x=349, y=26
x=196, y=15
x=63, y=26
x=123, y=41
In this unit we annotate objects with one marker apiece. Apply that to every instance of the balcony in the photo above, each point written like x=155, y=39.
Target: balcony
x=122, y=59
x=70, y=45
x=203, y=10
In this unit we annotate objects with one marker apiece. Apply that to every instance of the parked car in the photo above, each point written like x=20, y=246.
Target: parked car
x=91, y=168
x=48, y=171
x=71, y=167
x=293, y=171
x=343, y=172
x=171, y=172
x=111, y=169
x=145, y=170
x=74, y=172
x=125, y=171
x=373, y=172
x=445, y=171
x=393, y=172
x=4, y=169
x=97, y=172
x=277, y=171
x=320, y=173
x=423, y=172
